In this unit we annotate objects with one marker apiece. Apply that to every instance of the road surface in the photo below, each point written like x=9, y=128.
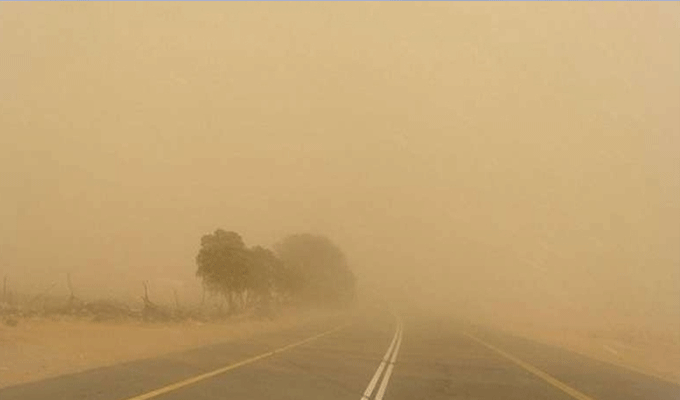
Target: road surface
x=375, y=356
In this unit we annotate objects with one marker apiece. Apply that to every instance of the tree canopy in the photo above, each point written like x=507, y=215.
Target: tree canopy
x=224, y=263
x=305, y=267
x=319, y=268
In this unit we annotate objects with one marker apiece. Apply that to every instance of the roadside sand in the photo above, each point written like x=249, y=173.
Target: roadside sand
x=42, y=348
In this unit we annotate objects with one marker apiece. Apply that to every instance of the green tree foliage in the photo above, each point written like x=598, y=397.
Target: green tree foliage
x=224, y=264
x=317, y=269
x=305, y=267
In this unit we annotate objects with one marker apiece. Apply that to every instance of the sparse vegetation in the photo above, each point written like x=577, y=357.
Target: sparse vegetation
x=302, y=269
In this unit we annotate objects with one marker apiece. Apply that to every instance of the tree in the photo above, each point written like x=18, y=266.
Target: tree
x=261, y=279
x=306, y=267
x=317, y=267
x=224, y=264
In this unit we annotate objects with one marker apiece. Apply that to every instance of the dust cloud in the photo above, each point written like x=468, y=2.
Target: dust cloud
x=515, y=163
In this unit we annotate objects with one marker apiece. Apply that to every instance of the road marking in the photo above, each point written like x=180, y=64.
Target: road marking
x=388, y=373
x=620, y=363
x=388, y=358
x=198, y=378
x=611, y=350
x=549, y=379
x=378, y=372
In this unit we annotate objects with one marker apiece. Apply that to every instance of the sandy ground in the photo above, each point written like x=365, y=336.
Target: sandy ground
x=41, y=348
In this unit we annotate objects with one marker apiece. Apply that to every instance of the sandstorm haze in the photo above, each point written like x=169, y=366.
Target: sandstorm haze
x=477, y=158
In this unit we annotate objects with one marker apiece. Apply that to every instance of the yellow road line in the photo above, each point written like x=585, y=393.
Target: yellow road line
x=198, y=378
x=591, y=356
x=549, y=379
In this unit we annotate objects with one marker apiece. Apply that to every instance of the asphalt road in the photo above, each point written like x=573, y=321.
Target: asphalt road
x=423, y=359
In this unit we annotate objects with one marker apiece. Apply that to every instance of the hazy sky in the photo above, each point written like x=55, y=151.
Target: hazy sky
x=469, y=153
